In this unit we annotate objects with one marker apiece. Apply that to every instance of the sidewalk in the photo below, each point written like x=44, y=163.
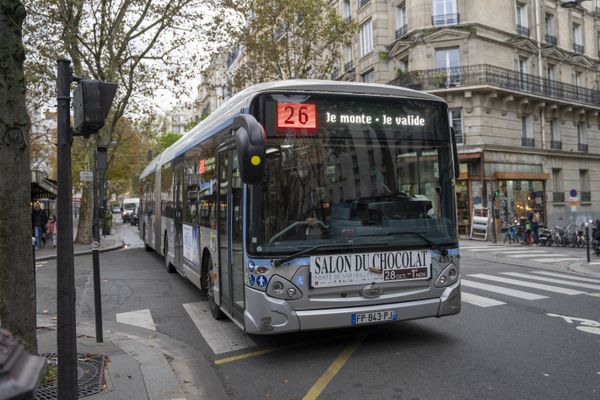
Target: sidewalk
x=107, y=243
x=576, y=265
x=136, y=362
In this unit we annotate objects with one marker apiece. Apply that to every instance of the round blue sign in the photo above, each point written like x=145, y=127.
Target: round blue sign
x=251, y=280
x=573, y=193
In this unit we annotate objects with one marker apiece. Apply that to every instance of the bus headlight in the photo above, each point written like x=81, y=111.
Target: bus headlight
x=448, y=276
x=281, y=288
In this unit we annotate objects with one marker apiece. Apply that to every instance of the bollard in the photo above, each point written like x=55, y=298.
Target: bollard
x=97, y=294
x=587, y=240
x=20, y=372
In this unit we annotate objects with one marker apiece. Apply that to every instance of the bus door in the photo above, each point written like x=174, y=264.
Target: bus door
x=178, y=216
x=231, y=272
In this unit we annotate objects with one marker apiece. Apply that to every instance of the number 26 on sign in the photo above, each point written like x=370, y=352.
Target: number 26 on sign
x=296, y=115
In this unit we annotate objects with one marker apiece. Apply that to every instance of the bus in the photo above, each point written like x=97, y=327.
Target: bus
x=303, y=204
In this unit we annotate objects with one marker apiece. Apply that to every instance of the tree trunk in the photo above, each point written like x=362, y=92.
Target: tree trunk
x=84, y=226
x=17, y=286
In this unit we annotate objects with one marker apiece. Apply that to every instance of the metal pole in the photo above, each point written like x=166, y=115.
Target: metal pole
x=95, y=255
x=66, y=334
x=587, y=240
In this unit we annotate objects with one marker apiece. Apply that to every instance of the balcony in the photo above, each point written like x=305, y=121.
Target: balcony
x=556, y=145
x=401, y=31
x=523, y=30
x=578, y=48
x=582, y=147
x=528, y=142
x=551, y=40
x=445, y=19
x=586, y=197
x=489, y=75
x=362, y=3
x=348, y=66
x=558, y=197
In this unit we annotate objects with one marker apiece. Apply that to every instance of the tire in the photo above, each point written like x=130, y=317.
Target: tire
x=210, y=294
x=146, y=245
x=168, y=266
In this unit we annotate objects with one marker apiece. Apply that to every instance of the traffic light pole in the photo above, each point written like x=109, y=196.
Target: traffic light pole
x=99, y=165
x=65, y=279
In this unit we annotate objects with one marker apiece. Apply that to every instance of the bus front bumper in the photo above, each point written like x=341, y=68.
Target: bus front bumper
x=266, y=315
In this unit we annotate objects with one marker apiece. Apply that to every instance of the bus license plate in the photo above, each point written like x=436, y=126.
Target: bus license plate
x=377, y=316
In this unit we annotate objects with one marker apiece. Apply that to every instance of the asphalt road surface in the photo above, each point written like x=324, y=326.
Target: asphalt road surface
x=523, y=333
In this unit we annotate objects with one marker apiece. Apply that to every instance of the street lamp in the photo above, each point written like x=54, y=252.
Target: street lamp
x=570, y=3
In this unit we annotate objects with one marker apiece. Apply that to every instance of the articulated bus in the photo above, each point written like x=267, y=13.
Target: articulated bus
x=302, y=205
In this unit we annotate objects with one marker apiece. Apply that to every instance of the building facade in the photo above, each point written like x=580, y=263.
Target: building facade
x=522, y=81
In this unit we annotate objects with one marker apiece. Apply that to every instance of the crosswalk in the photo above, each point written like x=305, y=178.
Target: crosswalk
x=533, y=285
x=40, y=264
x=545, y=255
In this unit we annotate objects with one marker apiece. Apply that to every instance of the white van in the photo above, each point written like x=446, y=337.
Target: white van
x=129, y=206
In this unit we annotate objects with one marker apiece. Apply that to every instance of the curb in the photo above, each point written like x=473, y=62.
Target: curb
x=85, y=252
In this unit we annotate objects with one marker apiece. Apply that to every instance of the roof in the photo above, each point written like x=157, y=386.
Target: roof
x=223, y=116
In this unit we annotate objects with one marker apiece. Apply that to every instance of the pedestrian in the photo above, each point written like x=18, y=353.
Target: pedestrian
x=535, y=221
x=38, y=220
x=51, y=229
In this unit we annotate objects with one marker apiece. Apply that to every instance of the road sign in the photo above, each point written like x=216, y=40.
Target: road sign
x=86, y=176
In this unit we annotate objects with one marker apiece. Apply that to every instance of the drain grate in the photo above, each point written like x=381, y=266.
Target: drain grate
x=90, y=375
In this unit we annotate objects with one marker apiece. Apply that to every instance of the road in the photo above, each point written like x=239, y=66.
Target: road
x=522, y=333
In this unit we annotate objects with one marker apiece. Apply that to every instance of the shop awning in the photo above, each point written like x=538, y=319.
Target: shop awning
x=42, y=187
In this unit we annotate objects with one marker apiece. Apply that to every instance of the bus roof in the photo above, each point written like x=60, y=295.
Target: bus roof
x=223, y=116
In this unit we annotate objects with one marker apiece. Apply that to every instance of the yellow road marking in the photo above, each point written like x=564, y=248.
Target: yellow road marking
x=316, y=390
x=257, y=353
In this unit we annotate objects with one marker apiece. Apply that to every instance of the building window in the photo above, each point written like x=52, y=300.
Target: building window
x=598, y=44
x=582, y=138
x=401, y=21
x=366, y=38
x=584, y=181
x=444, y=13
x=346, y=11
x=522, y=21
x=447, y=63
x=348, y=56
x=456, y=121
x=557, y=185
x=577, y=38
x=550, y=29
x=527, y=131
x=555, y=142
x=368, y=77
x=362, y=3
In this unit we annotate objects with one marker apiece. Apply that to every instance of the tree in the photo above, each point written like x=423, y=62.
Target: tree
x=166, y=140
x=284, y=39
x=17, y=288
x=142, y=45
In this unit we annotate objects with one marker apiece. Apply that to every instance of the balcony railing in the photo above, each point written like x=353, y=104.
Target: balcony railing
x=401, y=31
x=551, y=40
x=583, y=147
x=558, y=197
x=586, y=197
x=445, y=19
x=556, y=145
x=485, y=74
x=578, y=48
x=528, y=142
x=348, y=66
x=522, y=30
x=362, y=3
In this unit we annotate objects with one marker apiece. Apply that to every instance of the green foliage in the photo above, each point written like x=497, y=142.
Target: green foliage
x=284, y=39
x=166, y=140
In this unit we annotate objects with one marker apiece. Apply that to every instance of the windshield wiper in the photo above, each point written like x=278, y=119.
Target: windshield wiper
x=283, y=260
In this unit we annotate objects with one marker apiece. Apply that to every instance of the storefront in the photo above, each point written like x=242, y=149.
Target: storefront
x=468, y=190
x=518, y=196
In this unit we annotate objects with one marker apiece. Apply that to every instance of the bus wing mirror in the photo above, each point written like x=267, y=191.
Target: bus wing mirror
x=250, y=141
x=455, y=153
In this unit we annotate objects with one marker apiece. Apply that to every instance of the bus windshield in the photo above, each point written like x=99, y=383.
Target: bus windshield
x=368, y=172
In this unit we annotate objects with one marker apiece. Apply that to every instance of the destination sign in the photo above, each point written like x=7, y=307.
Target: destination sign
x=365, y=268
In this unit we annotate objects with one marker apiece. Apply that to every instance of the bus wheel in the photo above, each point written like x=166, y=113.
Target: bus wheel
x=210, y=293
x=168, y=265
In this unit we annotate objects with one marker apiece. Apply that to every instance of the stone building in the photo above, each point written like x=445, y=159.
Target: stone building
x=522, y=82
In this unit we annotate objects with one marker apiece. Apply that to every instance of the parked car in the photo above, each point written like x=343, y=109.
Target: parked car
x=133, y=217
x=116, y=210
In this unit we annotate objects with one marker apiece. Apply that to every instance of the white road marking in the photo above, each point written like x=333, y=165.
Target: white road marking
x=534, y=254
x=586, y=325
x=479, y=300
x=222, y=336
x=552, y=280
x=141, y=318
x=567, y=276
x=502, y=290
x=552, y=260
x=594, y=263
x=540, y=286
x=594, y=294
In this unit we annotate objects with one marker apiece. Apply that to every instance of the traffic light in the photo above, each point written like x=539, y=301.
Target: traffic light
x=91, y=102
